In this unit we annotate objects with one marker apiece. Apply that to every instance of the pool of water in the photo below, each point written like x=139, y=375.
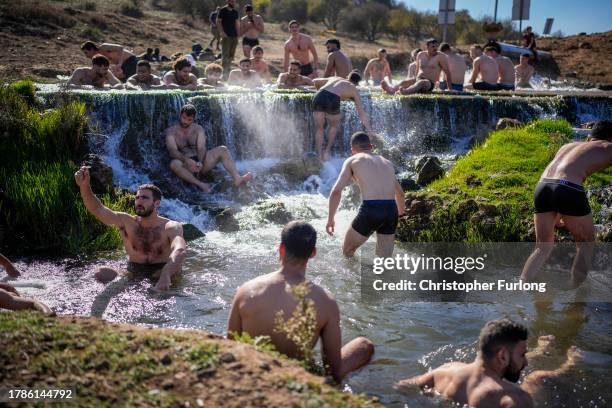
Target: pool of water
x=410, y=337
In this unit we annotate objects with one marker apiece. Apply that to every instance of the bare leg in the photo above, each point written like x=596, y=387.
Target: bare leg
x=319, y=118
x=421, y=85
x=105, y=274
x=246, y=50
x=385, y=244
x=352, y=241
x=13, y=302
x=222, y=154
x=388, y=88
x=179, y=169
x=332, y=121
x=584, y=234
x=545, y=236
x=356, y=354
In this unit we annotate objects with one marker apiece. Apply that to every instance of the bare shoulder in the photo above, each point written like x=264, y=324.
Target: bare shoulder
x=172, y=226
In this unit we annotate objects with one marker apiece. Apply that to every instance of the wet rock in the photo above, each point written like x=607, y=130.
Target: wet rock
x=227, y=358
x=506, y=123
x=166, y=360
x=191, y=232
x=466, y=208
x=226, y=220
x=417, y=207
x=429, y=170
x=298, y=170
x=421, y=162
x=274, y=211
x=408, y=184
x=101, y=173
x=473, y=181
x=394, y=154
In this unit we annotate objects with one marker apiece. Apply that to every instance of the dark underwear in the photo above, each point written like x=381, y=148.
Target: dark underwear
x=142, y=270
x=306, y=69
x=376, y=82
x=431, y=85
x=505, y=87
x=561, y=196
x=376, y=215
x=251, y=42
x=129, y=67
x=454, y=87
x=485, y=86
x=325, y=101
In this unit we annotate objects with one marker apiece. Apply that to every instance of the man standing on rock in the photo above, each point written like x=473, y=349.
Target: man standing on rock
x=559, y=194
x=154, y=245
x=378, y=68
x=123, y=62
x=457, y=67
x=338, y=63
x=251, y=25
x=300, y=46
x=429, y=65
x=257, y=303
x=229, y=28
x=383, y=198
x=186, y=143
x=326, y=107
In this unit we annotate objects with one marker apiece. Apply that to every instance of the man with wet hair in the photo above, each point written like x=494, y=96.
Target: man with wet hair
x=98, y=76
x=338, y=63
x=489, y=381
x=257, y=303
x=505, y=67
x=457, y=67
x=251, y=26
x=383, y=198
x=484, y=71
x=181, y=77
x=229, y=28
x=245, y=76
x=326, y=108
x=122, y=62
x=300, y=46
x=429, y=65
x=378, y=68
x=154, y=244
x=212, y=77
x=144, y=79
x=523, y=72
x=186, y=144
x=293, y=79
x=559, y=195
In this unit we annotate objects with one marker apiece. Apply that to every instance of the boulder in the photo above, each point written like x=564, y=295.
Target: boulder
x=408, y=184
x=429, y=171
x=191, y=232
x=298, y=170
x=274, y=211
x=226, y=220
x=508, y=123
x=421, y=162
x=101, y=173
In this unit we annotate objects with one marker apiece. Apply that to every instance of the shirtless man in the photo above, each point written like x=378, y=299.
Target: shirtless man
x=338, y=64
x=11, y=299
x=559, y=194
x=186, y=143
x=143, y=79
x=181, y=77
x=299, y=46
x=326, y=107
x=412, y=67
x=505, y=80
x=429, y=65
x=489, y=381
x=154, y=245
x=486, y=68
x=383, y=198
x=251, y=25
x=98, y=76
x=259, y=65
x=457, y=67
x=523, y=72
x=258, y=301
x=378, y=68
x=293, y=79
x=212, y=77
x=123, y=62
x=245, y=76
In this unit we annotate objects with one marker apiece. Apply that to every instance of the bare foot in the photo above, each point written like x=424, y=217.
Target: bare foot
x=387, y=88
x=204, y=187
x=244, y=179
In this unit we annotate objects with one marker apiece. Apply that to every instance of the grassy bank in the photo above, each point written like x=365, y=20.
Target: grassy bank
x=488, y=195
x=40, y=206
x=123, y=365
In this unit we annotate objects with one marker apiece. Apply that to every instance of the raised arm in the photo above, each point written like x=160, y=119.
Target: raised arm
x=178, y=246
x=344, y=180
x=331, y=343
x=93, y=204
x=362, y=115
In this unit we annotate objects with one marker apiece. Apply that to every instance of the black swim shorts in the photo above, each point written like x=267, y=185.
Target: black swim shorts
x=251, y=42
x=505, y=87
x=325, y=101
x=561, y=196
x=129, y=67
x=306, y=69
x=376, y=215
x=485, y=86
x=145, y=270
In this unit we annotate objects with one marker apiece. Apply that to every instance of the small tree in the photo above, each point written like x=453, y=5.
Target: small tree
x=327, y=12
x=285, y=10
x=368, y=21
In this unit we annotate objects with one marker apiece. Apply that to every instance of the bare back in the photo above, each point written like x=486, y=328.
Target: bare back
x=457, y=67
x=341, y=87
x=576, y=161
x=430, y=66
x=489, y=70
x=375, y=176
x=506, y=70
x=338, y=64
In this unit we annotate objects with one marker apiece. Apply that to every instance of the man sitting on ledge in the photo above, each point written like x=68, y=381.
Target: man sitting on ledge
x=181, y=77
x=98, y=76
x=144, y=79
x=258, y=301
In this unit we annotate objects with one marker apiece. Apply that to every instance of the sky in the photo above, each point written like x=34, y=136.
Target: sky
x=571, y=16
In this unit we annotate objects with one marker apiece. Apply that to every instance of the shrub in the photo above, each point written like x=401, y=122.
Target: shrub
x=131, y=9
x=29, y=11
x=87, y=6
x=286, y=10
